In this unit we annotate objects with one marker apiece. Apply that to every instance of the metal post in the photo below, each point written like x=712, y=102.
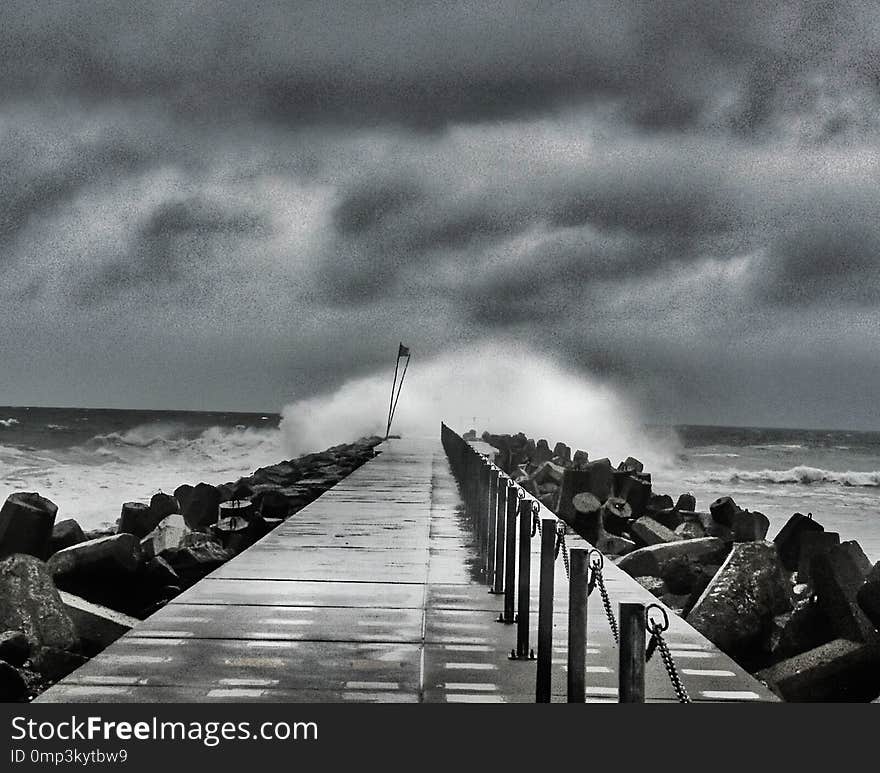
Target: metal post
x=545, y=611
x=497, y=576
x=525, y=568
x=577, y=624
x=491, y=507
x=632, y=653
x=510, y=556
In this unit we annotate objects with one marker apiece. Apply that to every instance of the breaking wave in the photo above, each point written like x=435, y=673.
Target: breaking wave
x=798, y=475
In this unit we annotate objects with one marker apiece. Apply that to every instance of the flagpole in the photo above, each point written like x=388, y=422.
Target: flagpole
x=391, y=404
x=394, y=406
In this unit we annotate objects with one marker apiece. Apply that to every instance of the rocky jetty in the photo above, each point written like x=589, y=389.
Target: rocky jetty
x=801, y=611
x=66, y=594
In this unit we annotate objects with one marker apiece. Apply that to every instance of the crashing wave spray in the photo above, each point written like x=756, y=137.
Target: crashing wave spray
x=508, y=387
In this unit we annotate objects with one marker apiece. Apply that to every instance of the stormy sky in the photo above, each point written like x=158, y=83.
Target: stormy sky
x=224, y=205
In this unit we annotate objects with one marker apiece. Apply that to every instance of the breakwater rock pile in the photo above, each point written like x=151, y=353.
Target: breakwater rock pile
x=800, y=611
x=65, y=594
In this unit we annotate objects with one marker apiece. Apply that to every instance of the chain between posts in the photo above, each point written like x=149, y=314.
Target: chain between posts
x=597, y=562
x=563, y=548
x=656, y=627
x=536, y=518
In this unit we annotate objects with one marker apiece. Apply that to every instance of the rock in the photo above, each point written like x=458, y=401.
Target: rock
x=97, y=626
x=647, y=561
x=614, y=545
x=653, y=585
x=669, y=517
x=802, y=629
x=650, y=532
x=631, y=464
x=183, y=495
x=788, y=540
x=596, y=477
x=242, y=491
x=868, y=597
x=840, y=670
x=119, y=554
x=15, y=648
x=12, y=686
x=813, y=543
x=580, y=459
x=562, y=452
x=201, y=510
x=55, y=664
x=635, y=491
x=723, y=510
x=857, y=556
x=682, y=575
x=616, y=515
x=162, y=505
x=585, y=516
x=690, y=529
x=170, y=534
x=744, y=595
x=30, y=603
x=837, y=576
x=274, y=504
x=136, y=519
x=160, y=573
x=197, y=559
x=64, y=534
x=710, y=525
x=26, y=521
x=542, y=452
x=749, y=527
x=548, y=472
x=659, y=502
x=686, y=502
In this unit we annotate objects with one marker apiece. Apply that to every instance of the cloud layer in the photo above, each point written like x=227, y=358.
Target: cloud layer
x=218, y=204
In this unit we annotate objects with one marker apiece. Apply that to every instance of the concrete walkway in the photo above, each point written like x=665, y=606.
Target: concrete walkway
x=372, y=593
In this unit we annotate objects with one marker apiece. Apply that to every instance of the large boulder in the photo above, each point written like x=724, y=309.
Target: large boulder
x=15, y=647
x=740, y=602
x=749, y=527
x=837, y=576
x=812, y=544
x=12, y=685
x=868, y=596
x=202, y=508
x=200, y=556
x=64, y=534
x=26, y=521
x=840, y=670
x=115, y=555
x=802, y=629
x=29, y=602
x=788, y=540
x=648, y=561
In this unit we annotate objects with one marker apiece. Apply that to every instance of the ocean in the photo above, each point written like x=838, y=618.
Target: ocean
x=90, y=461
x=833, y=474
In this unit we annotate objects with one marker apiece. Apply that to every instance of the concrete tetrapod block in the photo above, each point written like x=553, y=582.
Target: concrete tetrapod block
x=26, y=521
x=745, y=594
x=837, y=577
x=120, y=553
x=97, y=626
x=749, y=527
x=788, y=540
x=64, y=534
x=651, y=532
x=648, y=561
x=813, y=543
x=838, y=670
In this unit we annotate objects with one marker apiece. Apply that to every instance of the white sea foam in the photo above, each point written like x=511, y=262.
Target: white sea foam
x=802, y=475
x=8, y=422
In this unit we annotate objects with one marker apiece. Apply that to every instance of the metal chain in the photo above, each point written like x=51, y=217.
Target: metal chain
x=597, y=562
x=560, y=545
x=656, y=628
x=536, y=520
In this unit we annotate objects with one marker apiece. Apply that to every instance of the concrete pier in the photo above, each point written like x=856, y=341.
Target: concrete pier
x=374, y=593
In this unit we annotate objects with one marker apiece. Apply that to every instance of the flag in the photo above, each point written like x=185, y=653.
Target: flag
x=402, y=351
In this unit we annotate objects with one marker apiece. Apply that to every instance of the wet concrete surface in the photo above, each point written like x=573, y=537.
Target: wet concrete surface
x=374, y=593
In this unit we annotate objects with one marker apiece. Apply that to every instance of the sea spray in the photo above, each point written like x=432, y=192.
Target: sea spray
x=506, y=387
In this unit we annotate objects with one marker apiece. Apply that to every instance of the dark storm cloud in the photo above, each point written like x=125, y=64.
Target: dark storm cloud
x=177, y=241
x=636, y=186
